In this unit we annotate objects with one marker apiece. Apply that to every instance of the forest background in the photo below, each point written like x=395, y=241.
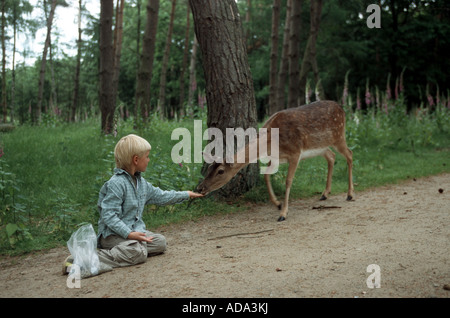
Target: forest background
x=392, y=81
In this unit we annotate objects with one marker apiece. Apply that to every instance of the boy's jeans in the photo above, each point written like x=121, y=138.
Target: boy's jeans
x=117, y=252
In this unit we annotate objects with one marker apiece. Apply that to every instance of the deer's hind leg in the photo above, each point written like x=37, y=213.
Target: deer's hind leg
x=330, y=157
x=348, y=154
x=272, y=195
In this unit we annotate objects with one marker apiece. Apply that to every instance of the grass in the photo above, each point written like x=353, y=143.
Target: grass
x=50, y=175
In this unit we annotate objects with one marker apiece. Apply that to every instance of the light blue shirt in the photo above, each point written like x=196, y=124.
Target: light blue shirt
x=121, y=203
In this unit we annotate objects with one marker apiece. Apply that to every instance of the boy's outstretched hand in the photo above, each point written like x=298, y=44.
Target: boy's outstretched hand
x=193, y=195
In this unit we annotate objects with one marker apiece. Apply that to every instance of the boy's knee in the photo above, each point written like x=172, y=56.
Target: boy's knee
x=158, y=245
x=130, y=253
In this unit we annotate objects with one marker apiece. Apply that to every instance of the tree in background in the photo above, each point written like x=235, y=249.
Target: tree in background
x=163, y=79
x=229, y=84
x=273, y=80
x=309, y=62
x=76, y=88
x=145, y=72
x=294, y=53
x=36, y=113
x=106, y=98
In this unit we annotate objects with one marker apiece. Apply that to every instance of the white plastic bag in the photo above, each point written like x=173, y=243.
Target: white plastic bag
x=83, y=248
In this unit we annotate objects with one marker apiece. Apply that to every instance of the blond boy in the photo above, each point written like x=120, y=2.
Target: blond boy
x=123, y=239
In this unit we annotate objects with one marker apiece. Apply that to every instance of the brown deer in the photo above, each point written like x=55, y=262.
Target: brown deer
x=304, y=132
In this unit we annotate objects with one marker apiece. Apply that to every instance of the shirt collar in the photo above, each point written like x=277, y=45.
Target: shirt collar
x=118, y=171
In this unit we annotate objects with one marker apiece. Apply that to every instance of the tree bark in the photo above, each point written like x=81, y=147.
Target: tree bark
x=5, y=111
x=117, y=47
x=107, y=106
x=36, y=112
x=162, y=85
x=144, y=77
x=284, y=62
x=185, y=60
x=274, y=57
x=229, y=85
x=294, y=54
x=77, y=68
x=192, y=77
x=309, y=62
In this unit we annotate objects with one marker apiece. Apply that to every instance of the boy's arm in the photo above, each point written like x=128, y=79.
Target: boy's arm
x=160, y=197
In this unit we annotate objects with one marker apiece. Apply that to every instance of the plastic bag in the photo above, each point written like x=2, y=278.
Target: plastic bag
x=83, y=248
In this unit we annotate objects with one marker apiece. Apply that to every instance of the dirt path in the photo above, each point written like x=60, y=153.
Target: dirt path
x=404, y=229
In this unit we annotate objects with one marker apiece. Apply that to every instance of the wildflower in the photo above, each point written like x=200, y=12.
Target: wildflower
x=388, y=88
x=367, y=96
x=1, y=152
x=401, y=87
x=430, y=100
x=396, y=89
x=358, y=101
x=345, y=92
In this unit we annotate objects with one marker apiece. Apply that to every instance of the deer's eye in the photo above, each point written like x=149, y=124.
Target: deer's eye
x=221, y=172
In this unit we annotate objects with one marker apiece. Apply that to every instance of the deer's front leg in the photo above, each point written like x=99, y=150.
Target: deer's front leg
x=290, y=177
x=272, y=195
x=330, y=157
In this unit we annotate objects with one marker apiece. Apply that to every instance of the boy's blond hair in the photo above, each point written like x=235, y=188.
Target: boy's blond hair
x=127, y=147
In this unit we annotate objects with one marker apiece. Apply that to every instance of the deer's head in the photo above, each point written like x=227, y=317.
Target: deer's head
x=218, y=174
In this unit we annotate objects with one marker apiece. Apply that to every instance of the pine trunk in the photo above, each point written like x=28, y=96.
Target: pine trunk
x=106, y=66
x=77, y=69
x=294, y=54
x=163, y=80
x=274, y=57
x=284, y=62
x=144, y=77
x=309, y=62
x=36, y=114
x=229, y=85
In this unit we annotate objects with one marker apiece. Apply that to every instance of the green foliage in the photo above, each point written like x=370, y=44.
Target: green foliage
x=415, y=38
x=53, y=185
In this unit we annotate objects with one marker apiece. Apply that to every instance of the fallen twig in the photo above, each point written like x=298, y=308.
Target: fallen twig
x=238, y=234
x=322, y=207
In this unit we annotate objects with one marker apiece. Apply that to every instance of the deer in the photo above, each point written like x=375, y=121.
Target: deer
x=304, y=132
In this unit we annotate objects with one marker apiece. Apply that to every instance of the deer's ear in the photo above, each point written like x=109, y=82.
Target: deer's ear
x=210, y=159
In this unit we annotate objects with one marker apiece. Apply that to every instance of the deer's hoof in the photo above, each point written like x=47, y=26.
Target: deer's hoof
x=323, y=198
x=349, y=198
x=281, y=218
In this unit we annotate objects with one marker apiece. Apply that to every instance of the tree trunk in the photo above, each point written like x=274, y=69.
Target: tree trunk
x=107, y=106
x=144, y=77
x=162, y=85
x=77, y=69
x=284, y=61
x=36, y=114
x=5, y=111
x=185, y=60
x=294, y=54
x=309, y=62
x=13, y=81
x=192, y=77
x=274, y=57
x=117, y=47
x=229, y=85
